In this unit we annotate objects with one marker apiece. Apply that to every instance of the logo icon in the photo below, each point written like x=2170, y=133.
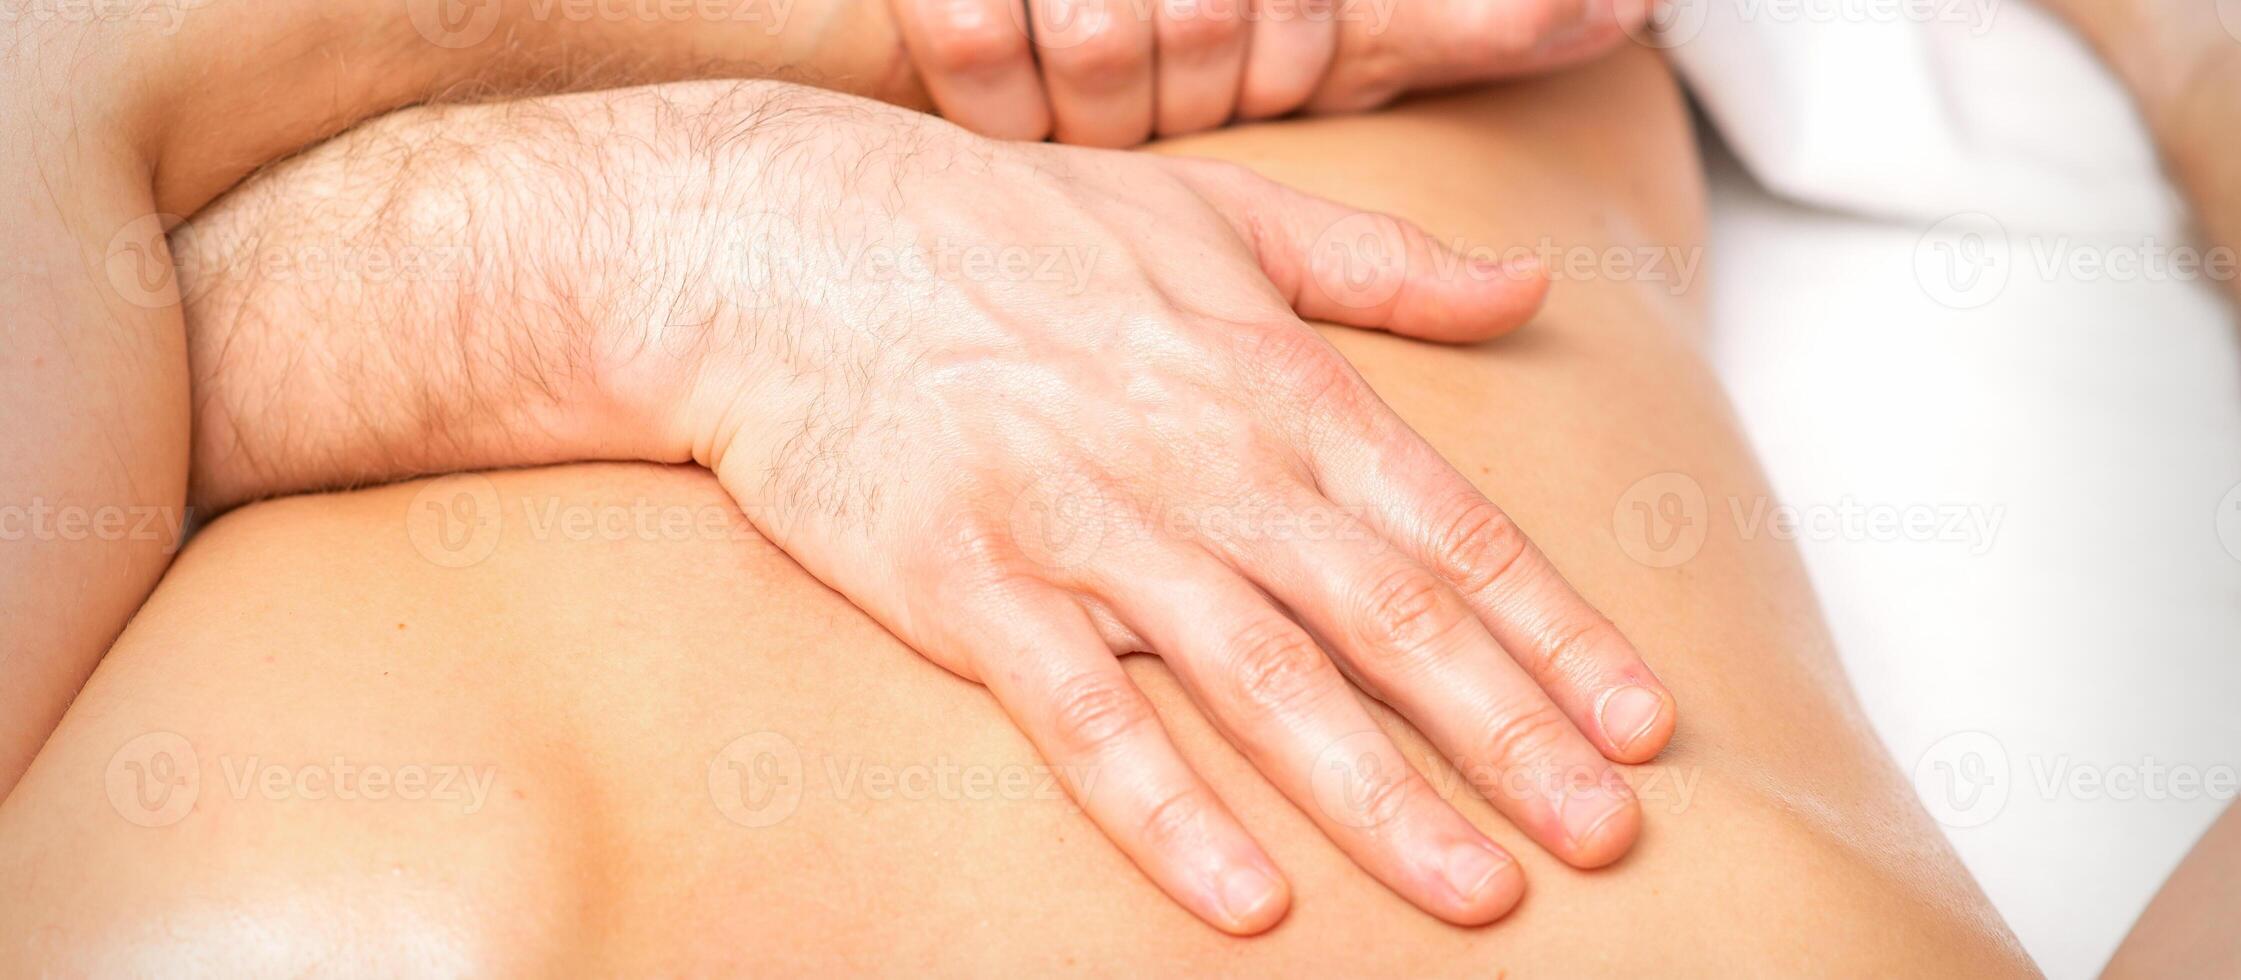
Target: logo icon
x=756, y=781
x=1662, y=519
x=1347, y=777
x=1359, y=261
x=1058, y=521
x=1964, y=261
x=153, y=780
x=139, y=264
x=1670, y=24
x=454, y=23
x=1964, y=779
x=455, y=521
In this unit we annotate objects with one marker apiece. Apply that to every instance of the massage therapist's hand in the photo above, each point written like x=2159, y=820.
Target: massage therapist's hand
x=1116, y=72
x=1091, y=421
x=1030, y=406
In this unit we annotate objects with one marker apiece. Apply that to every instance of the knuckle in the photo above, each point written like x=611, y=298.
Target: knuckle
x=1094, y=711
x=963, y=40
x=1382, y=793
x=1305, y=369
x=1176, y=819
x=1190, y=28
x=1405, y=618
x=1275, y=667
x=1365, y=81
x=1479, y=547
x=1510, y=30
x=1515, y=737
x=972, y=543
x=1264, y=99
x=1570, y=651
x=1103, y=60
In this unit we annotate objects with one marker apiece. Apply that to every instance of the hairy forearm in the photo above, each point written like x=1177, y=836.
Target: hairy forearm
x=468, y=287
x=114, y=120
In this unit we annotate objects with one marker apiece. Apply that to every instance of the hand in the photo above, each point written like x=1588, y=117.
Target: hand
x=1130, y=441
x=1116, y=72
x=1029, y=406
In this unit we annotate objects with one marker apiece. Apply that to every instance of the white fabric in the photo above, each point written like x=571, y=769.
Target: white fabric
x=2087, y=420
x=1920, y=108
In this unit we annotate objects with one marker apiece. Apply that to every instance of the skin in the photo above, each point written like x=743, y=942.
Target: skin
x=604, y=681
x=762, y=345
x=1116, y=72
x=114, y=127
x=2182, y=64
x=2187, y=931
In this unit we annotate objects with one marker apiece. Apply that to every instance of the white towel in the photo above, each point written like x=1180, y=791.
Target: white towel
x=1921, y=109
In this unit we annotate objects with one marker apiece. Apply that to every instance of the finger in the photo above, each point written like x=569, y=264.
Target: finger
x=1410, y=495
x=1278, y=697
x=1292, y=45
x=975, y=60
x=1045, y=664
x=1365, y=269
x=1417, y=46
x=1200, y=57
x=1097, y=66
x=1415, y=644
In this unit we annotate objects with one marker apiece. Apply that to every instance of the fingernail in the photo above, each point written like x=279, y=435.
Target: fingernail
x=1470, y=866
x=1586, y=810
x=1246, y=894
x=1627, y=714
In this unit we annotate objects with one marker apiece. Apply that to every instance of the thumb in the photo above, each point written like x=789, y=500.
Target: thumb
x=1366, y=269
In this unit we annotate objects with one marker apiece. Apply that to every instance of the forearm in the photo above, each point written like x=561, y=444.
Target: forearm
x=108, y=125
x=469, y=287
